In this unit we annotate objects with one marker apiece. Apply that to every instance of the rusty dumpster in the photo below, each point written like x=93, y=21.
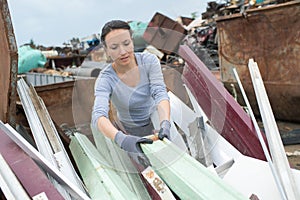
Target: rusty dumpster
x=270, y=35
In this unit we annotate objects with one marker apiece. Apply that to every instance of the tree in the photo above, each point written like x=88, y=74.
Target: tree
x=194, y=15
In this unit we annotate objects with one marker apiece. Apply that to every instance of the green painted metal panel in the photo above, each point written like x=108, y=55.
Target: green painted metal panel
x=101, y=181
x=188, y=178
x=119, y=160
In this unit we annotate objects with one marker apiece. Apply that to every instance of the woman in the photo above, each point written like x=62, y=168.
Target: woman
x=134, y=83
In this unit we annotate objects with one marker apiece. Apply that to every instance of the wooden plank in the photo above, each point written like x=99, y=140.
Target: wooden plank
x=186, y=176
x=273, y=136
x=43, y=162
x=224, y=113
x=25, y=168
x=102, y=181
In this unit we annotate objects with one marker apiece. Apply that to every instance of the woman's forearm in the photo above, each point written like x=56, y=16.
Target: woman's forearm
x=106, y=127
x=163, y=109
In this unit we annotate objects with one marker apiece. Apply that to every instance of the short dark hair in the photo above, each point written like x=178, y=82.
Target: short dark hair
x=112, y=25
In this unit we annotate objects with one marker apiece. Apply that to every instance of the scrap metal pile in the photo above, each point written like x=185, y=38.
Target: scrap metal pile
x=49, y=150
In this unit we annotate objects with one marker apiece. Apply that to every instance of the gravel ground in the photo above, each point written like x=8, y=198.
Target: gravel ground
x=292, y=151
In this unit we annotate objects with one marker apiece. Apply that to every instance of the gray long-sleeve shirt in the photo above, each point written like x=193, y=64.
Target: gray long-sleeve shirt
x=134, y=105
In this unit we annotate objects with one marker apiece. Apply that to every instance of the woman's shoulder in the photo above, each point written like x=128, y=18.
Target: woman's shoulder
x=107, y=70
x=105, y=77
x=145, y=55
x=146, y=59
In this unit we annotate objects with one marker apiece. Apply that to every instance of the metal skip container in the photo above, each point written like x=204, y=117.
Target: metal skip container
x=271, y=36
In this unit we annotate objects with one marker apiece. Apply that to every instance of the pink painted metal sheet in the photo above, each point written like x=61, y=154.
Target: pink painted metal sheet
x=224, y=113
x=33, y=179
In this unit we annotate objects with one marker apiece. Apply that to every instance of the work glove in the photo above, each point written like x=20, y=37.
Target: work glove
x=164, y=131
x=131, y=144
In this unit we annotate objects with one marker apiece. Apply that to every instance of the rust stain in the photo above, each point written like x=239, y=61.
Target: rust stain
x=272, y=37
x=8, y=66
x=164, y=33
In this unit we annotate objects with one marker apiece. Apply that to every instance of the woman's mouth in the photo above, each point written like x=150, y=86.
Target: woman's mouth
x=124, y=58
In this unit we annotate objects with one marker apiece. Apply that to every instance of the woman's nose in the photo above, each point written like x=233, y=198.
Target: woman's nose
x=122, y=50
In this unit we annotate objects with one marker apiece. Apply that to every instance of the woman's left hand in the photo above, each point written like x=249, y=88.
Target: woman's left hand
x=164, y=131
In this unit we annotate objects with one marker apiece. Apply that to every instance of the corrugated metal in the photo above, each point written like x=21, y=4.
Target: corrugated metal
x=38, y=79
x=271, y=36
x=8, y=66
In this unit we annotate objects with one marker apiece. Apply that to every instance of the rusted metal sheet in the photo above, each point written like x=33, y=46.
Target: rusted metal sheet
x=8, y=66
x=164, y=33
x=69, y=102
x=224, y=113
x=58, y=100
x=271, y=36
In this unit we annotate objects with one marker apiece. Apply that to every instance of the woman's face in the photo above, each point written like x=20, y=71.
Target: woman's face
x=119, y=46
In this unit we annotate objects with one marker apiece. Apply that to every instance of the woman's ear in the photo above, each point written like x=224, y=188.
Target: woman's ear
x=108, y=58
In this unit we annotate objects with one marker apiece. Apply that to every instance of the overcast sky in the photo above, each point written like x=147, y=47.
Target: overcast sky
x=53, y=22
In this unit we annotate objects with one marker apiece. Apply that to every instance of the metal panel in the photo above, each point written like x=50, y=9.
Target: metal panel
x=271, y=36
x=43, y=162
x=8, y=66
x=259, y=134
x=185, y=176
x=164, y=33
x=276, y=147
x=225, y=114
x=69, y=102
x=38, y=79
x=9, y=183
x=118, y=159
x=58, y=100
x=60, y=154
x=102, y=181
x=36, y=120
x=25, y=168
x=229, y=163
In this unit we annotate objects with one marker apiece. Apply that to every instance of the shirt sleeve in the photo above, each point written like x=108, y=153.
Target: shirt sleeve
x=102, y=96
x=157, y=85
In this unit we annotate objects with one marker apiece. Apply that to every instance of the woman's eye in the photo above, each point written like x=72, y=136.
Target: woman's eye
x=114, y=47
x=126, y=43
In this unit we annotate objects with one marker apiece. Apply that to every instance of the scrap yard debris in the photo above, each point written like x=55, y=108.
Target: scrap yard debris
x=47, y=94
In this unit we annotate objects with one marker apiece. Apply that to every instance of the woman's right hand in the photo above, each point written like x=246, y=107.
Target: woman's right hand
x=131, y=144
